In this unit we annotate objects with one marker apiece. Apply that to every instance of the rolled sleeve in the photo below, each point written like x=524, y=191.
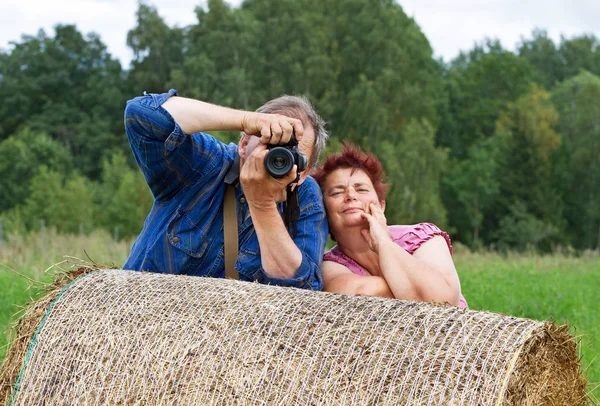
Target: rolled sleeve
x=308, y=276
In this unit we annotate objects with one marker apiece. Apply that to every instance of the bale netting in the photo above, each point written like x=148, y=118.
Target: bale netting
x=113, y=337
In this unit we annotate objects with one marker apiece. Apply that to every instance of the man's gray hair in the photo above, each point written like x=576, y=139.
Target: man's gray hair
x=300, y=108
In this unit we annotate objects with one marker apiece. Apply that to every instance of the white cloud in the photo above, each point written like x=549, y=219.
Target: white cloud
x=449, y=25
x=457, y=25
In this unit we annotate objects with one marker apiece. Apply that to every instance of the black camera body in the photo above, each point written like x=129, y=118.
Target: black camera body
x=280, y=159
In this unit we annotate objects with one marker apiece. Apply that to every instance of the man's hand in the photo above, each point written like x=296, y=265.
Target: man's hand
x=272, y=128
x=262, y=190
x=378, y=233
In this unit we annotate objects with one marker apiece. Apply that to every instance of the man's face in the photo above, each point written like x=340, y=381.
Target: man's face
x=306, y=146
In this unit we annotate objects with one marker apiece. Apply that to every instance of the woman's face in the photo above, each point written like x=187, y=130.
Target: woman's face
x=346, y=196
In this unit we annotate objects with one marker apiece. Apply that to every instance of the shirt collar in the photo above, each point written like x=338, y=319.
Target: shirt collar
x=233, y=174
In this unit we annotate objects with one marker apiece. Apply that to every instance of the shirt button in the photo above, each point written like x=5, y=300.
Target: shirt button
x=175, y=240
x=242, y=200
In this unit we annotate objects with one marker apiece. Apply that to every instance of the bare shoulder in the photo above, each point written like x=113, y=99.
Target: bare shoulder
x=435, y=253
x=435, y=246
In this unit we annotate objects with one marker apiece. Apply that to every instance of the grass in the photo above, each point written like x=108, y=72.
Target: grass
x=27, y=262
x=556, y=287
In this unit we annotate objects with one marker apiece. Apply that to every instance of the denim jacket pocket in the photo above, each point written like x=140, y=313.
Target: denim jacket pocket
x=183, y=235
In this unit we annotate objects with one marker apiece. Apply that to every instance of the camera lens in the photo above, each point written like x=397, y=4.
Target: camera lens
x=279, y=162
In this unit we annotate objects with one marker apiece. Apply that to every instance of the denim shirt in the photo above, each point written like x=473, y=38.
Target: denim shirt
x=183, y=234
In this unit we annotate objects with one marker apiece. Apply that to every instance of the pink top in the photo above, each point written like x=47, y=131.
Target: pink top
x=408, y=237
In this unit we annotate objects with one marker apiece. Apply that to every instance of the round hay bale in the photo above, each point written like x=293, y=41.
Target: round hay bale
x=120, y=337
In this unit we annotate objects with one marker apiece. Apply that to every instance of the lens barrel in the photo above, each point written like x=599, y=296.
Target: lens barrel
x=279, y=161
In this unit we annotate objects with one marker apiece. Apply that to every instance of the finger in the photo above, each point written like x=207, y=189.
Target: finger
x=275, y=133
x=250, y=165
x=298, y=128
x=258, y=155
x=374, y=224
x=377, y=212
x=291, y=176
x=259, y=149
x=286, y=133
x=367, y=217
x=256, y=158
x=259, y=158
x=373, y=209
x=265, y=134
x=247, y=171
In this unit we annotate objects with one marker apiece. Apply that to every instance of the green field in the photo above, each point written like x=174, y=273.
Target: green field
x=556, y=287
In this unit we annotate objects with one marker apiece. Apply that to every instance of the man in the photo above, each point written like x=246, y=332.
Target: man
x=186, y=170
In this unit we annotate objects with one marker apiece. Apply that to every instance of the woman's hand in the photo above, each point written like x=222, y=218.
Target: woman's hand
x=378, y=233
x=272, y=128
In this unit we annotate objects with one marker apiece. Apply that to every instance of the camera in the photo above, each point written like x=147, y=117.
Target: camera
x=280, y=159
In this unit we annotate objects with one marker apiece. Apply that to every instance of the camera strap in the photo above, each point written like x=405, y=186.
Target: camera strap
x=230, y=224
x=291, y=210
x=230, y=232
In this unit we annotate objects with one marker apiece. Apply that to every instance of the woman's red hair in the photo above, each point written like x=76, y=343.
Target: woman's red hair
x=355, y=158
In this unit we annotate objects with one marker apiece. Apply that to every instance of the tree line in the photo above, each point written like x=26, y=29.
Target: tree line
x=500, y=148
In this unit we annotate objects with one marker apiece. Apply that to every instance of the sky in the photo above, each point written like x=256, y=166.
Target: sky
x=450, y=25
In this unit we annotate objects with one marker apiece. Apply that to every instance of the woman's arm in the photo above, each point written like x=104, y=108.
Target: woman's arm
x=339, y=279
x=427, y=275
x=430, y=272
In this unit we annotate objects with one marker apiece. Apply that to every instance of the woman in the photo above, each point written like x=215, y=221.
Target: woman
x=412, y=262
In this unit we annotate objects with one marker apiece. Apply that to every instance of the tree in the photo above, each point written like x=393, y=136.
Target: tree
x=68, y=87
x=529, y=141
x=221, y=52
x=521, y=230
x=578, y=103
x=77, y=204
x=377, y=43
x=414, y=167
x=480, y=85
x=122, y=197
x=554, y=64
x=474, y=181
x=580, y=53
x=21, y=157
x=541, y=52
x=129, y=206
x=54, y=202
x=157, y=50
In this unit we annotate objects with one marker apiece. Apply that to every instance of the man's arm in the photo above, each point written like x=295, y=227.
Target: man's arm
x=280, y=255
x=198, y=116
x=278, y=250
x=166, y=156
